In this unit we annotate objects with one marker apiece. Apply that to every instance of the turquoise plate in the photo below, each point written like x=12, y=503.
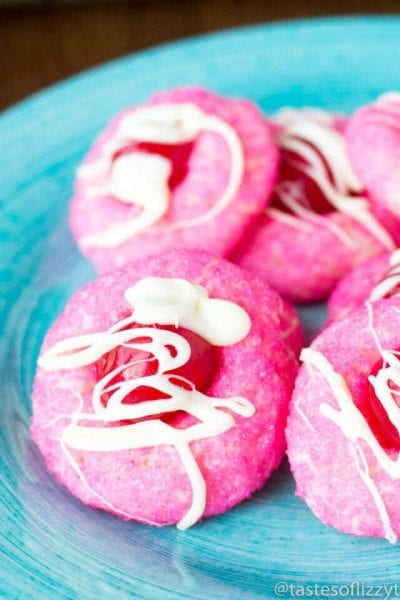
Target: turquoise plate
x=51, y=545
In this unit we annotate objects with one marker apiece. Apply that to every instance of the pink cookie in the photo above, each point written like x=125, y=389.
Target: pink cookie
x=375, y=279
x=343, y=448
x=187, y=169
x=373, y=138
x=163, y=424
x=319, y=224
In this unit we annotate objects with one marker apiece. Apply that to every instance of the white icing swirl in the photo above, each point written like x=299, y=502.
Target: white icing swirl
x=323, y=157
x=168, y=302
x=287, y=116
x=390, y=280
x=168, y=123
x=145, y=183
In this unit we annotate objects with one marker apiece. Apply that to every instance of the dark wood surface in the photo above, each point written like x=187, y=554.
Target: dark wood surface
x=42, y=44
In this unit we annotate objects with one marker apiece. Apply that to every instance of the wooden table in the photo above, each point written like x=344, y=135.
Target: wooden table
x=42, y=44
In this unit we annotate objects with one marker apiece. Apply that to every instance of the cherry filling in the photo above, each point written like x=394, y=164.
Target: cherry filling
x=199, y=370
x=310, y=195
x=178, y=154
x=380, y=424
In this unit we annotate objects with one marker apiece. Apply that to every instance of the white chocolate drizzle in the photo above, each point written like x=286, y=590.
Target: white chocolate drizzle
x=390, y=280
x=352, y=422
x=291, y=194
x=165, y=302
x=141, y=179
x=287, y=116
x=169, y=301
x=363, y=470
x=302, y=414
x=324, y=161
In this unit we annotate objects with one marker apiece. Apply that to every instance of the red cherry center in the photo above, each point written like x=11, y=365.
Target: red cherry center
x=199, y=370
x=383, y=429
x=310, y=193
x=178, y=154
x=290, y=170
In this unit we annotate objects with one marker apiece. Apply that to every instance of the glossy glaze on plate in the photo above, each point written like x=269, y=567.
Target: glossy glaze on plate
x=51, y=546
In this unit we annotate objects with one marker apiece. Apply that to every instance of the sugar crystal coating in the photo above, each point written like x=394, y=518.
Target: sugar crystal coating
x=150, y=484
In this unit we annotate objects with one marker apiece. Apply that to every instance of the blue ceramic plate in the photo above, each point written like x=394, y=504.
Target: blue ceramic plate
x=51, y=545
